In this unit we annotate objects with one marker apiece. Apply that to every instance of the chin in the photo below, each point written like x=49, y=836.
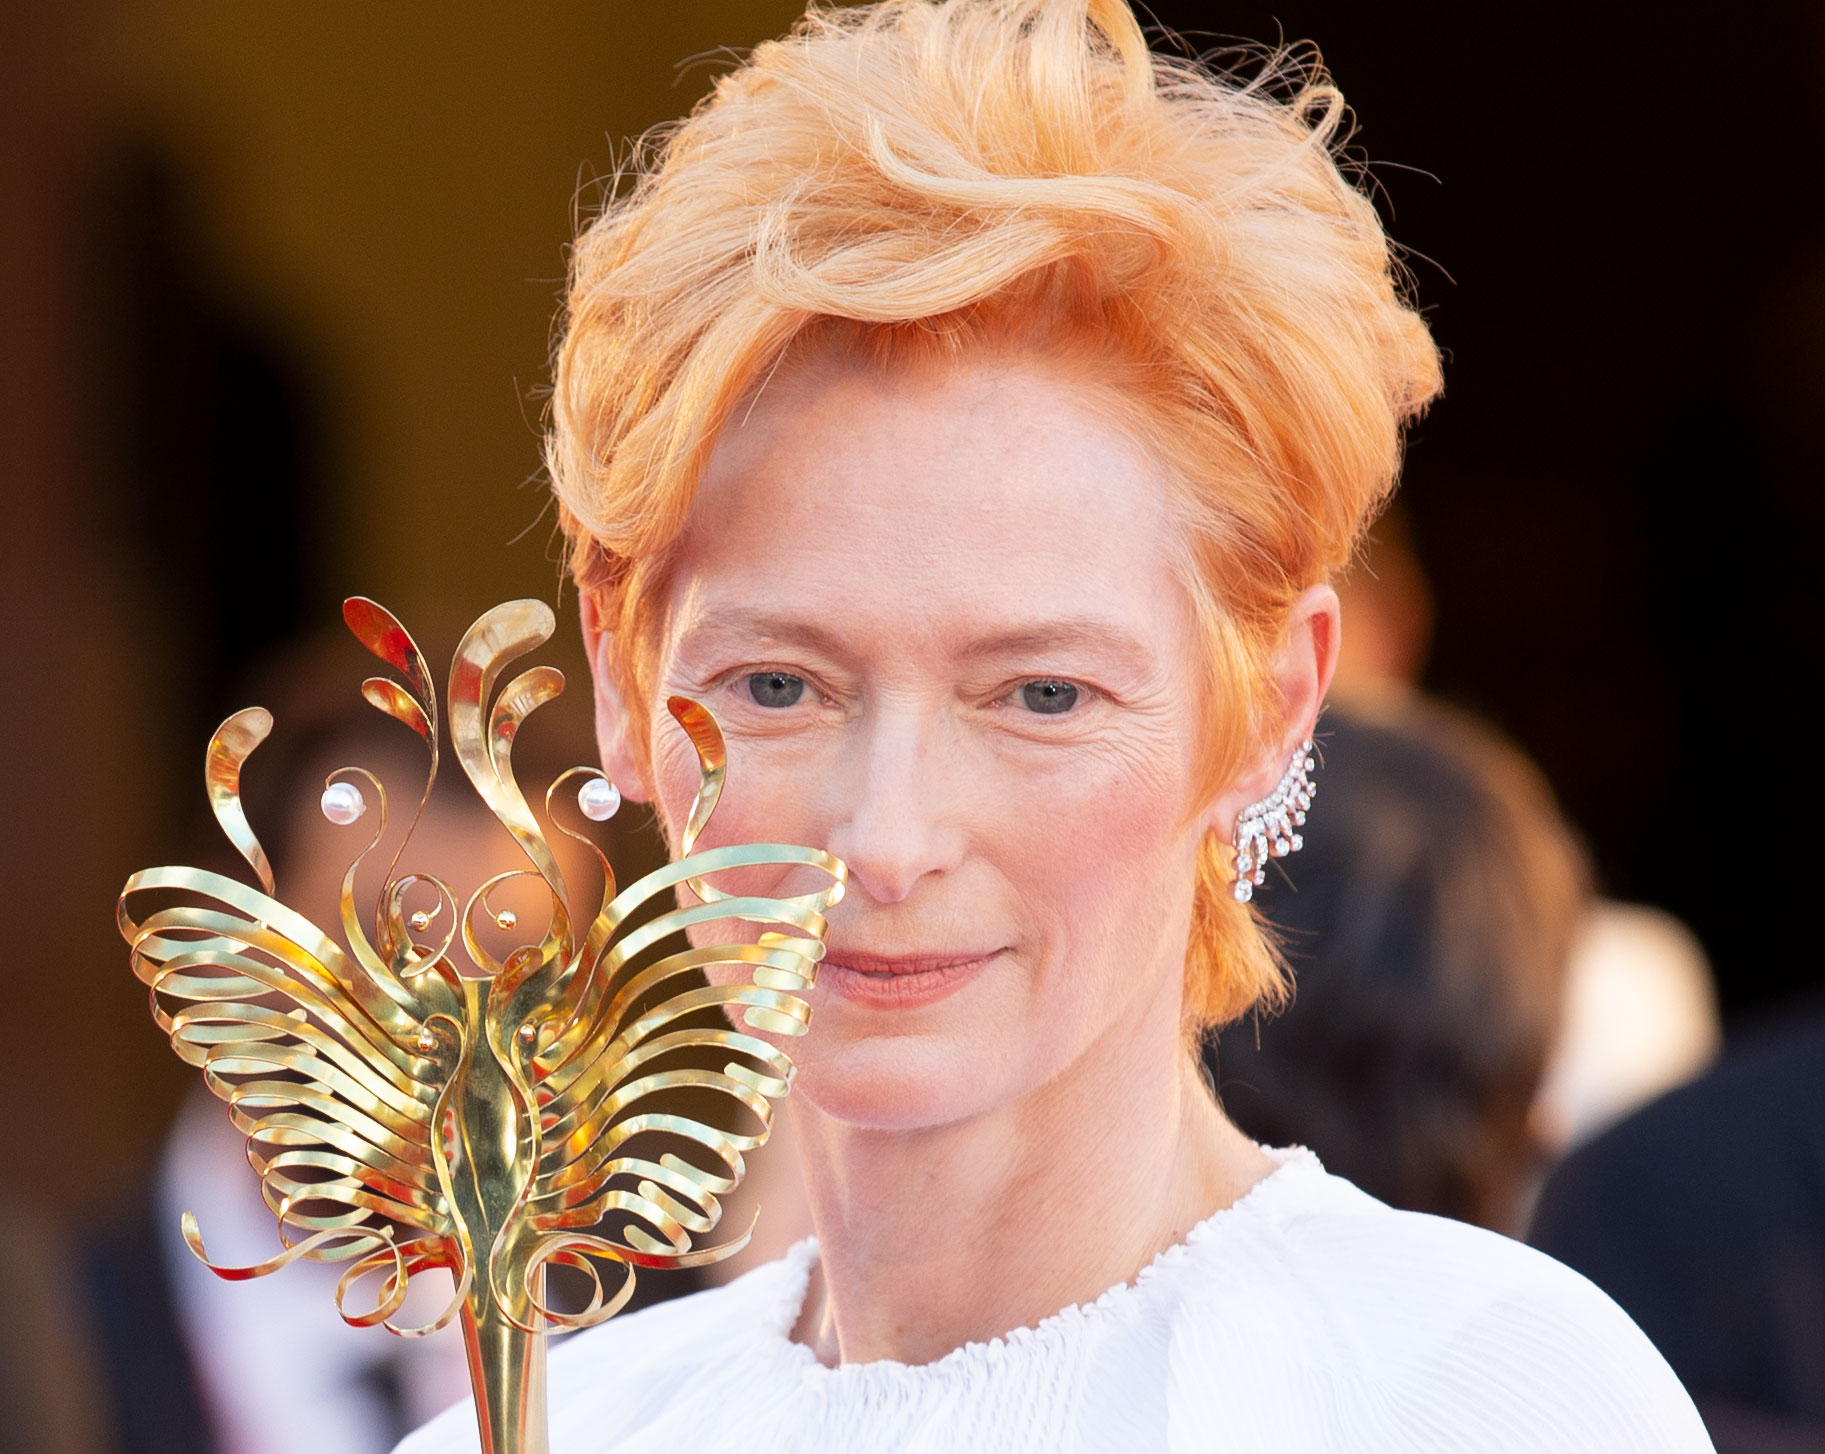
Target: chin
x=900, y=1082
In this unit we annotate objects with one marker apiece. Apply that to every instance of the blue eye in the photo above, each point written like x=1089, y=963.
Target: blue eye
x=1049, y=696
x=775, y=688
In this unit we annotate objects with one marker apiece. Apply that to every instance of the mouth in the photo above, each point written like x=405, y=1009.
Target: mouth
x=899, y=981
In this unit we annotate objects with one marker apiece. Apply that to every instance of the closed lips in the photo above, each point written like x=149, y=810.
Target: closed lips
x=882, y=966
x=899, y=981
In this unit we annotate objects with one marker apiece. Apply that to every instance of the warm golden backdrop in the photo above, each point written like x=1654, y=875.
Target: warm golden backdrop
x=393, y=186
x=352, y=220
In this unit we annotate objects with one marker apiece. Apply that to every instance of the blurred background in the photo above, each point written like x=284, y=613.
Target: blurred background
x=278, y=288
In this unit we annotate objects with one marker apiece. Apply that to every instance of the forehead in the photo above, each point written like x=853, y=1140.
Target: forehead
x=938, y=502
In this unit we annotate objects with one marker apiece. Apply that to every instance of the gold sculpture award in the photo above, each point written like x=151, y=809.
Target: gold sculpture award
x=563, y=1105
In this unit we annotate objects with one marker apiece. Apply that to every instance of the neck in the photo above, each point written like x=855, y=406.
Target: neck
x=933, y=1238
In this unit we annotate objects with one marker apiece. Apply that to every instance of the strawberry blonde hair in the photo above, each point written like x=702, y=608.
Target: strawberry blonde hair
x=916, y=178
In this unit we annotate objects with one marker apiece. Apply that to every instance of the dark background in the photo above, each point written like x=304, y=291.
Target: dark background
x=278, y=283
x=1616, y=221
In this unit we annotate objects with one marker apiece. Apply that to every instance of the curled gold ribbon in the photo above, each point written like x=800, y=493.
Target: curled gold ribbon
x=403, y=1115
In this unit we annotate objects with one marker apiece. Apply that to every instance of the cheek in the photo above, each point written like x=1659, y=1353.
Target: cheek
x=1100, y=817
x=1102, y=861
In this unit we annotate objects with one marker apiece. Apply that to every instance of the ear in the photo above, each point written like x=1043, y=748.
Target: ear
x=1301, y=675
x=616, y=734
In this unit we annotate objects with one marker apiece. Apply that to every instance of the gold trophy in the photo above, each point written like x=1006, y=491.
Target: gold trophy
x=404, y=1114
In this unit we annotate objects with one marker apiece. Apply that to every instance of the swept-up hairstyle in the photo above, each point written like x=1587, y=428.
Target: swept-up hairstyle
x=916, y=178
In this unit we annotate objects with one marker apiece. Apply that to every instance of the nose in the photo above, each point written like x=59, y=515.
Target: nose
x=894, y=826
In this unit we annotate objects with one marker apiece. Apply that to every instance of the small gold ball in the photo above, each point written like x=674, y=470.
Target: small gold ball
x=427, y=1042
x=507, y=919
x=528, y=1034
x=421, y=921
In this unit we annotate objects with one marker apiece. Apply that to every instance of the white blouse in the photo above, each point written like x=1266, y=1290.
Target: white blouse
x=1307, y=1316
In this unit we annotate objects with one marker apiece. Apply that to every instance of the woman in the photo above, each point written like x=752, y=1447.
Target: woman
x=971, y=408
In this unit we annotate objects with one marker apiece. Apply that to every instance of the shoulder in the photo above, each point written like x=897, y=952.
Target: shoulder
x=1414, y=1332
x=1756, y=1122
x=640, y=1364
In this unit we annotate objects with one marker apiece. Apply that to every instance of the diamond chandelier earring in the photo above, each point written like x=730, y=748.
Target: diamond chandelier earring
x=1266, y=829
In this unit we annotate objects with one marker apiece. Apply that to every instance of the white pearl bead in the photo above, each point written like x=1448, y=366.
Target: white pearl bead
x=343, y=803
x=599, y=799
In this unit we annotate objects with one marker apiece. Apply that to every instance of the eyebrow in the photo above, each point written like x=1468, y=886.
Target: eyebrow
x=1067, y=632
x=772, y=628
x=1070, y=631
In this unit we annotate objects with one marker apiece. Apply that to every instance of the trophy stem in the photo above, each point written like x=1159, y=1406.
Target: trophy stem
x=507, y=1372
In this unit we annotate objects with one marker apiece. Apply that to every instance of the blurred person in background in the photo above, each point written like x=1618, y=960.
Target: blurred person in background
x=1465, y=1009
x=1638, y=1012
x=1428, y=925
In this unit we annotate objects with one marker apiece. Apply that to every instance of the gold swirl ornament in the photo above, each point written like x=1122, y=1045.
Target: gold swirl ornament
x=403, y=1115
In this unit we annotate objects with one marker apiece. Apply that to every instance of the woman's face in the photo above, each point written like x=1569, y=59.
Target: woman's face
x=936, y=616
